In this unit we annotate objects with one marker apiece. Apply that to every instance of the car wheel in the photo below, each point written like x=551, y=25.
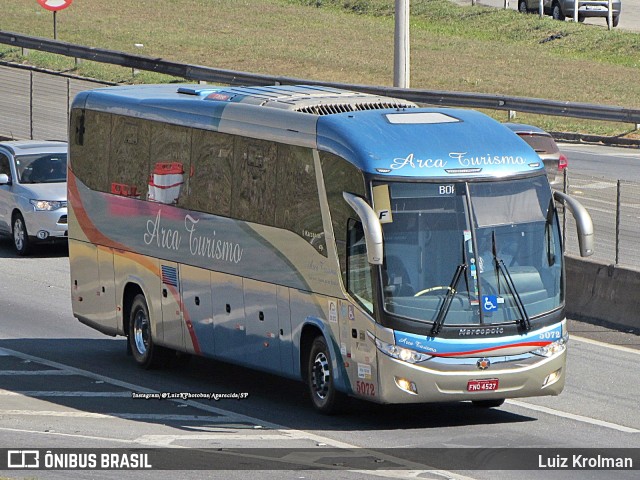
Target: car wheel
x=557, y=13
x=145, y=352
x=522, y=6
x=20, y=236
x=615, y=19
x=581, y=18
x=326, y=399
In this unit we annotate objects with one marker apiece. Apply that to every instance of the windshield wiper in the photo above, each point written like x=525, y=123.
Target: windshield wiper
x=525, y=322
x=446, y=303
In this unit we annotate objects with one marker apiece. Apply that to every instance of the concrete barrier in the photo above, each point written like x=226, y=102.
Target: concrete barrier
x=603, y=294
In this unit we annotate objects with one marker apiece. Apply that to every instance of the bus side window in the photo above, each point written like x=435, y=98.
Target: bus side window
x=130, y=138
x=297, y=202
x=90, y=158
x=254, y=189
x=358, y=268
x=339, y=177
x=211, y=173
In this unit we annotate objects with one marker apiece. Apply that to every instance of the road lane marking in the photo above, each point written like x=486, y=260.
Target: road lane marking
x=10, y=373
x=41, y=394
x=572, y=416
x=110, y=415
x=620, y=348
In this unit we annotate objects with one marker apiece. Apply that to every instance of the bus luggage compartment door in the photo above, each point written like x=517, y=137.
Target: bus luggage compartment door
x=197, y=310
x=228, y=317
x=263, y=339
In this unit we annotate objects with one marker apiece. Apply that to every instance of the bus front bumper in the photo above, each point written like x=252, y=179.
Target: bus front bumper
x=484, y=378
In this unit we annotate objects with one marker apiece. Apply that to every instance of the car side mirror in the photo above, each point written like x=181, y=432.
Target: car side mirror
x=4, y=179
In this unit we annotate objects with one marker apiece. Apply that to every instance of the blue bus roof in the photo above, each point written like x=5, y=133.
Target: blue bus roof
x=380, y=135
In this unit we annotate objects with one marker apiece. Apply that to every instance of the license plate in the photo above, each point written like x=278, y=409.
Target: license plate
x=482, y=385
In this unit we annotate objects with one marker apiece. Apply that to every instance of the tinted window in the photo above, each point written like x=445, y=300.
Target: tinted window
x=298, y=206
x=129, y=157
x=340, y=176
x=89, y=148
x=4, y=165
x=211, y=174
x=254, y=189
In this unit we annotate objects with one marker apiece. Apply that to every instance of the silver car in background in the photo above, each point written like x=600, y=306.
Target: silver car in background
x=561, y=9
x=33, y=192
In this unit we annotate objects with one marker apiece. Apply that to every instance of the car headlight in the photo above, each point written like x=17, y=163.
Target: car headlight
x=553, y=348
x=47, y=205
x=401, y=353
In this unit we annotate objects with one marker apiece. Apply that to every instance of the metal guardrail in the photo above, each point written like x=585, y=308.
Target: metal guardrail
x=230, y=77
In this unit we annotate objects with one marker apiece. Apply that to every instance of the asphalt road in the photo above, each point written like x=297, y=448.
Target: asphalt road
x=65, y=385
x=611, y=163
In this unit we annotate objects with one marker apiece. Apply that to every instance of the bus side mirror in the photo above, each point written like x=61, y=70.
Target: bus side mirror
x=371, y=226
x=584, y=224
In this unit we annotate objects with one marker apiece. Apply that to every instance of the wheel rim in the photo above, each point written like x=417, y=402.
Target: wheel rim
x=141, y=332
x=18, y=233
x=321, y=376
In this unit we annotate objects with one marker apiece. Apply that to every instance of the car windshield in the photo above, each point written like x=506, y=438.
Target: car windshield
x=470, y=253
x=43, y=168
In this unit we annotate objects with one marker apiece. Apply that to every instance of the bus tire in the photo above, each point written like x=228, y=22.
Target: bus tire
x=145, y=352
x=488, y=403
x=320, y=379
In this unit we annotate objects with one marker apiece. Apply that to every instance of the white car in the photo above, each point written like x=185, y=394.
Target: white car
x=33, y=192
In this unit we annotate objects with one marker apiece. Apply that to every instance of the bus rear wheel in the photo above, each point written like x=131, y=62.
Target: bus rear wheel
x=144, y=351
x=326, y=399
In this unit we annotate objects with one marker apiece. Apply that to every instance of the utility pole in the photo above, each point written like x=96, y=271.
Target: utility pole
x=401, y=62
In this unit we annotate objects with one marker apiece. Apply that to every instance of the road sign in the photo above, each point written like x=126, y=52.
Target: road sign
x=55, y=5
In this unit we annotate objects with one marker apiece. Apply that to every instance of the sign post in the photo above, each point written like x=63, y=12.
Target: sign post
x=54, y=6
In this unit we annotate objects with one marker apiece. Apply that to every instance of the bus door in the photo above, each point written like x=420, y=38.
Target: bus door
x=170, y=301
x=229, y=323
x=261, y=311
x=197, y=310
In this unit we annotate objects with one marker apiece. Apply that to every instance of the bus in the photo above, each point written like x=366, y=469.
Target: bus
x=362, y=244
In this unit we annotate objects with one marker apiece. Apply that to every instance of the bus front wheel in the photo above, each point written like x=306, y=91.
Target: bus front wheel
x=326, y=399
x=144, y=351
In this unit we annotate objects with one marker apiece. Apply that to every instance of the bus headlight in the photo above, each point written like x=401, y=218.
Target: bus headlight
x=400, y=353
x=552, y=349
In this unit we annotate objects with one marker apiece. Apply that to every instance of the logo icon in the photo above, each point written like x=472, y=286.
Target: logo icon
x=483, y=363
x=489, y=303
x=23, y=459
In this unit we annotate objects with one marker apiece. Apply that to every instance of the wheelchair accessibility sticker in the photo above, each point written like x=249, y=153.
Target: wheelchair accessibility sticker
x=490, y=302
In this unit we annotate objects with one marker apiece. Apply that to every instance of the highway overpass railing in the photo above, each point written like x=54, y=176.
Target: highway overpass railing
x=230, y=77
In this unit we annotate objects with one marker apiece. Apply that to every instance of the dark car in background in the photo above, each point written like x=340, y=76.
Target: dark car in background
x=545, y=146
x=561, y=9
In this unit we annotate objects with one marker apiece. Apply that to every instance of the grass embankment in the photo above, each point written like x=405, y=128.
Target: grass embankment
x=471, y=49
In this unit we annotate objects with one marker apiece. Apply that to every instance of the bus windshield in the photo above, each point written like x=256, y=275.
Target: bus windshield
x=470, y=253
